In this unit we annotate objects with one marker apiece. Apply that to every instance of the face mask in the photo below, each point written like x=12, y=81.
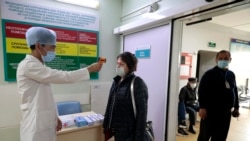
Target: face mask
x=193, y=85
x=223, y=64
x=49, y=57
x=120, y=71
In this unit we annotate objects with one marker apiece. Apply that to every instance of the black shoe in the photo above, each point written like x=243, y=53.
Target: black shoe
x=182, y=132
x=183, y=125
x=191, y=130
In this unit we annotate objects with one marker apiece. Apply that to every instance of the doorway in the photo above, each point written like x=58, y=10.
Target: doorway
x=205, y=61
x=196, y=34
x=151, y=47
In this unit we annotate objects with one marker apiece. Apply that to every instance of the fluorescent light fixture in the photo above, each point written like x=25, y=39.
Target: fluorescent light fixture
x=86, y=3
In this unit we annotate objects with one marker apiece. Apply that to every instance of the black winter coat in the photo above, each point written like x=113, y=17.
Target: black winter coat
x=188, y=96
x=213, y=93
x=119, y=115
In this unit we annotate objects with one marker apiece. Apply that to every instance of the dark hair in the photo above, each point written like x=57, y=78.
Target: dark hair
x=129, y=59
x=192, y=79
x=223, y=51
x=32, y=47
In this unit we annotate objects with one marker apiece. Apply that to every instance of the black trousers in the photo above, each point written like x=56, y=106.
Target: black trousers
x=215, y=126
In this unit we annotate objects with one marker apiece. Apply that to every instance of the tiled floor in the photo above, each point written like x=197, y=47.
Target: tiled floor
x=239, y=129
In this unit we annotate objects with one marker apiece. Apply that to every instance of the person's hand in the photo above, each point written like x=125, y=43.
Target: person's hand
x=104, y=131
x=235, y=113
x=107, y=134
x=95, y=67
x=203, y=113
x=59, y=124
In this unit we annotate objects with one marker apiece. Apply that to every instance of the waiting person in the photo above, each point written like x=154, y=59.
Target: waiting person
x=217, y=96
x=39, y=113
x=182, y=119
x=119, y=117
x=188, y=103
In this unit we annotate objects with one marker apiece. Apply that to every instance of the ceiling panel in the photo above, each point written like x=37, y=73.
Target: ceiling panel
x=239, y=20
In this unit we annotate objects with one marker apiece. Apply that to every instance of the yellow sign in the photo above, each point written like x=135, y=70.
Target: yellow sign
x=87, y=50
x=66, y=49
x=14, y=45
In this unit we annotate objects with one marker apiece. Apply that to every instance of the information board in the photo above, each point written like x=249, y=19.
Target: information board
x=186, y=65
x=240, y=50
x=77, y=35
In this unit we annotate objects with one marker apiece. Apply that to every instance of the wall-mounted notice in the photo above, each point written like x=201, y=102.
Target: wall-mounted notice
x=143, y=52
x=77, y=35
x=240, y=50
x=186, y=65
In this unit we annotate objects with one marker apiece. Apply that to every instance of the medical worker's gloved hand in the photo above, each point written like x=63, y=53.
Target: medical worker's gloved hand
x=95, y=67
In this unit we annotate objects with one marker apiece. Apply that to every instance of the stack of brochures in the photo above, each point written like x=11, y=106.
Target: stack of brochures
x=79, y=120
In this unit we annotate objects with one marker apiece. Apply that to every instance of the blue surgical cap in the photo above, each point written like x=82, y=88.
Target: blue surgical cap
x=41, y=35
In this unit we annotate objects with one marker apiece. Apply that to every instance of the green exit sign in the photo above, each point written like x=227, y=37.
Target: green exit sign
x=211, y=44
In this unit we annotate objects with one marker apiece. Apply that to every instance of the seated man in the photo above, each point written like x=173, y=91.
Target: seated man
x=187, y=103
x=182, y=119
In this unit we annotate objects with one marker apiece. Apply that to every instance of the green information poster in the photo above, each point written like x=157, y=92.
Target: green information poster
x=75, y=49
x=77, y=35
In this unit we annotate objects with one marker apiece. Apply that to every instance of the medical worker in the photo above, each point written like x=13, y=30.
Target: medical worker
x=39, y=114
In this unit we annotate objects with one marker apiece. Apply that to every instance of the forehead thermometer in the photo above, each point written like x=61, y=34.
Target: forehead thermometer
x=102, y=60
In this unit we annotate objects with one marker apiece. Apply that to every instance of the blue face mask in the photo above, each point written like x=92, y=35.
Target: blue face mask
x=223, y=64
x=49, y=57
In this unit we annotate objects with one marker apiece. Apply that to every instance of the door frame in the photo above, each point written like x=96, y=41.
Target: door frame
x=176, y=46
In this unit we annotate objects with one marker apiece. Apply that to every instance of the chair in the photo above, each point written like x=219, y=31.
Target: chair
x=68, y=107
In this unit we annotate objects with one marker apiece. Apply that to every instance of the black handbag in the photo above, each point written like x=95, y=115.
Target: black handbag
x=149, y=133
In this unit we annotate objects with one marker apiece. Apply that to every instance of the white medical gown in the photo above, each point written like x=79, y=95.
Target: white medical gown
x=39, y=113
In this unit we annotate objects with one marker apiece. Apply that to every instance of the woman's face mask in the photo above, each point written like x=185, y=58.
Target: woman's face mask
x=120, y=71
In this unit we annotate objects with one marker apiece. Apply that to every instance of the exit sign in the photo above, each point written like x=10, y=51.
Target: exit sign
x=211, y=44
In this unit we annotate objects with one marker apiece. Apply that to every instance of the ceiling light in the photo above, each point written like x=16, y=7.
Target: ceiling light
x=85, y=3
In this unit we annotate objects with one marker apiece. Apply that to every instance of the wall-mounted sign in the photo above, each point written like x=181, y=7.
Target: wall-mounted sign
x=240, y=53
x=186, y=65
x=77, y=35
x=211, y=44
x=143, y=52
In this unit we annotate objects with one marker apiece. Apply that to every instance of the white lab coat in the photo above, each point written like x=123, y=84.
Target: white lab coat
x=39, y=113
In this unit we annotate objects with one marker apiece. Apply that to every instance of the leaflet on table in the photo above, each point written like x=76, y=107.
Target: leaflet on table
x=89, y=121
x=79, y=120
x=67, y=121
x=97, y=118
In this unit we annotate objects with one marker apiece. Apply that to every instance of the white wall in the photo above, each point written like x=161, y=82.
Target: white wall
x=196, y=37
x=130, y=7
x=108, y=47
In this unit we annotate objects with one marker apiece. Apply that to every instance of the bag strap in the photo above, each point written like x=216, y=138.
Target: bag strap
x=132, y=95
x=149, y=123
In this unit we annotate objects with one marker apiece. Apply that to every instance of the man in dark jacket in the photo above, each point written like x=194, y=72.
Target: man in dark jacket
x=217, y=96
x=187, y=103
